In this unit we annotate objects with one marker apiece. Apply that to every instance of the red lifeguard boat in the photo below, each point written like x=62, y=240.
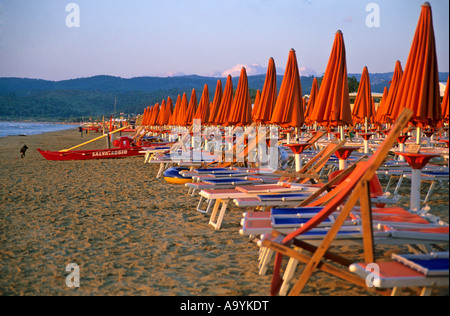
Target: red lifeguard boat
x=124, y=147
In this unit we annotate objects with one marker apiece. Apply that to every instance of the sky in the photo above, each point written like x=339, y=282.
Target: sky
x=58, y=39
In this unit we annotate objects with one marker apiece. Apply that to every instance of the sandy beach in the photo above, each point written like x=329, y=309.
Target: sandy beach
x=130, y=233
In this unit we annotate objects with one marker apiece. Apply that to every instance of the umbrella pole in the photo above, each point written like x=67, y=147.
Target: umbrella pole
x=298, y=162
x=342, y=164
x=401, y=147
x=419, y=132
x=416, y=178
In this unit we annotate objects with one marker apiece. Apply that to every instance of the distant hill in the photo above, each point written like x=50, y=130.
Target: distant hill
x=24, y=98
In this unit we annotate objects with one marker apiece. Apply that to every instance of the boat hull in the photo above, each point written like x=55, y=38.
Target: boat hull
x=91, y=154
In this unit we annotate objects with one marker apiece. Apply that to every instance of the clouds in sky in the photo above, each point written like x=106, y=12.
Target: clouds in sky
x=257, y=69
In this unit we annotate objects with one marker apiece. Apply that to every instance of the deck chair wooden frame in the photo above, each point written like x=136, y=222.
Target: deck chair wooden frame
x=361, y=194
x=311, y=169
x=221, y=205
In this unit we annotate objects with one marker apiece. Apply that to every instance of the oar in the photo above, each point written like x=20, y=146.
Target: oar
x=90, y=141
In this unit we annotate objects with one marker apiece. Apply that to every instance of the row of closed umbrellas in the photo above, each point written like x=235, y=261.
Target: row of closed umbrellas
x=416, y=88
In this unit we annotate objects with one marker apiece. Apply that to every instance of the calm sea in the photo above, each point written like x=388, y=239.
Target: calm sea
x=20, y=128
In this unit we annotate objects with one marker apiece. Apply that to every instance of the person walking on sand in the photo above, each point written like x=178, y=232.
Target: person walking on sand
x=23, y=150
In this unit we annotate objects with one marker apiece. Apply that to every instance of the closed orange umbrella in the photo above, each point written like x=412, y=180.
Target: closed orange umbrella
x=333, y=101
x=381, y=111
x=168, y=111
x=202, y=112
x=288, y=110
x=146, y=116
x=192, y=108
x=312, y=99
x=149, y=116
x=374, y=112
x=419, y=88
x=214, y=111
x=241, y=109
x=362, y=109
x=162, y=110
x=143, y=118
x=256, y=104
x=155, y=113
x=444, y=105
x=176, y=110
x=182, y=117
x=305, y=102
x=391, y=111
x=268, y=95
x=226, y=103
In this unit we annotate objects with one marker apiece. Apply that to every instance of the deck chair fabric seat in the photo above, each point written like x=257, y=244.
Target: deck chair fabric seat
x=303, y=212
x=256, y=202
x=256, y=215
x=233, y=181
x=395, y=274
x=433, y=264
x=314, y=234
x=404, y=218
x=256, y=227
x=214, y=171
x=278, y=222
x=280, y=187
x=437, y=234
x=282, y=197
x=407, y=270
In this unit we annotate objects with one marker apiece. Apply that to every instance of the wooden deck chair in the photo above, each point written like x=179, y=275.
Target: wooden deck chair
x=310, y=171
x=355, y=188
x=313, y=140
x=259, y=222
x=223, y=163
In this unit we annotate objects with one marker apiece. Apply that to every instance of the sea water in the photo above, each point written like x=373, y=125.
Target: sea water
x=26, y=128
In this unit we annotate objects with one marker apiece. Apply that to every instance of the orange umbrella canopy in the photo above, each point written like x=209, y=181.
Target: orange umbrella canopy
x=311, y=101
x=256, y=104
x=148, y=121
x=288, y=110
x=374, y=113
x=192, y=108
x=174, y=118
x=154, y=116
x=268, y=95
x=202, y=112
x=332, y=107
x=146, y=116
x=162, y=110
x=381, y=111
x=419, y=87
x=363, y=102
x=391, y=113
x=241, y=109
x=182, y=117
x=214, y=110
x=444, y=105
x=226, y=103
x=168, y=111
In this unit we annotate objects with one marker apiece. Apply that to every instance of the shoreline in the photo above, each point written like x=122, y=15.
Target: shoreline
x=129, y=233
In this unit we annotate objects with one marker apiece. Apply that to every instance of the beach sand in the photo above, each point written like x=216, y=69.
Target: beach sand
x=129, y=233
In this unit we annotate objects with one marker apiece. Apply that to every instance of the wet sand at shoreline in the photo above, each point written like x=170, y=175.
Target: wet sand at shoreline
x=130, y=233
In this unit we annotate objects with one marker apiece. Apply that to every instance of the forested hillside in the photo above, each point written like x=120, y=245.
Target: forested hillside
x=70, y=100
